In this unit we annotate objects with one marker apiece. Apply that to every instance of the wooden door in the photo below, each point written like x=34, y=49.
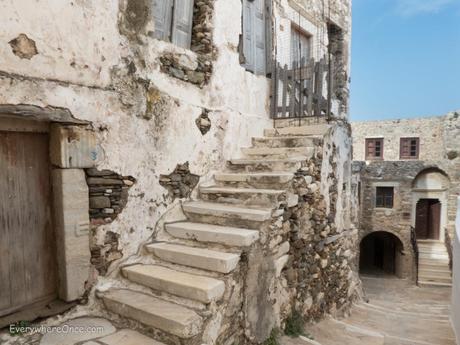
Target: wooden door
x=421, y=219
x=435, y=221
x=27, y=248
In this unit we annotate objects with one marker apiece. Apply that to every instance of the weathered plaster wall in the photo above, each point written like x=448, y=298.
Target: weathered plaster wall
x=456, y=278
x=144, y=119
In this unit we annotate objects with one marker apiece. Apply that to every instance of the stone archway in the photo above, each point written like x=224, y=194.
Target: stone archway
x=381, y=253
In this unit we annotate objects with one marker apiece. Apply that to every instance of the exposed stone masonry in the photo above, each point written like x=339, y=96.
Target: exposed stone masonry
x=200, y=72
x=321, y=267
x=102, y=255
x=203, y=122
x=180, y=182
x=108, y=194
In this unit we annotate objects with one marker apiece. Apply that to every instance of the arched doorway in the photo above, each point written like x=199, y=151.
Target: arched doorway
x=429, y=204
x=381, y=254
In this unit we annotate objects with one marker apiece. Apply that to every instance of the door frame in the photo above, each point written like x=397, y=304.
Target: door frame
x=68, y=137
x=441, y=195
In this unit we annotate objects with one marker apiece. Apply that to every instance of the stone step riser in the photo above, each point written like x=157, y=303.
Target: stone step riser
x=224, y=221
x=284, y=142
x=434, y=256
x=202, y=289
x=261, y=184
x=250, y=199
x=232, y=237
x=435, y=279
x=278, y=182
x=153, y=312
x=264, y=167
x=195, y=257
x=281, y=152
x=295, y=131
x=425, y=275
x=433, y=273
x=434, y=266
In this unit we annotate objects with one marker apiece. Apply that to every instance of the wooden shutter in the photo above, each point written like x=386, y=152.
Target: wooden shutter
x=162, y=14
x=182, y=23
x=260, y=42
x=255, y=27
x=248, y=35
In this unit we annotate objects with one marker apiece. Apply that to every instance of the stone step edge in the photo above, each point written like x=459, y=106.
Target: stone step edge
x=208, y=289
x=181, y=321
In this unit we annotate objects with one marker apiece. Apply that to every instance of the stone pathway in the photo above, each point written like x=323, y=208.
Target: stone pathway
x=398, y=313
x=82, y=331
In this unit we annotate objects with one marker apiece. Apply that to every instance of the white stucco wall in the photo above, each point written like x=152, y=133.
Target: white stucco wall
x=456, y=279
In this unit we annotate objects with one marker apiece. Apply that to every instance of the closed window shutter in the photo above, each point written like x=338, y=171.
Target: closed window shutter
x=162, y=14
x=260, y=39
x=248, y=35
x=182, y=23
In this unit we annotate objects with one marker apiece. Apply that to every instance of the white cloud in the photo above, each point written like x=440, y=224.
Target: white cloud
x=413, y=7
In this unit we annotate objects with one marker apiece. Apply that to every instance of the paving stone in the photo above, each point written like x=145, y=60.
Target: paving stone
x=85, y=328
x=128, y=337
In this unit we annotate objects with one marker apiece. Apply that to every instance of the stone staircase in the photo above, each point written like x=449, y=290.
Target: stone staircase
x=433, y=264
x=184, y=295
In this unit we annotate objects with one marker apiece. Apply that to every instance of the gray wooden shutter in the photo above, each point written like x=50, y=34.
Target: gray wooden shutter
x=162, y=14
x=248, y=35
x=268, y=36
x=182, y=23
x=260, y=37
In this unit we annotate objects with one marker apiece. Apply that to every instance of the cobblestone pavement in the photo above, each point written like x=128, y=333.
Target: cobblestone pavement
x=397, y=313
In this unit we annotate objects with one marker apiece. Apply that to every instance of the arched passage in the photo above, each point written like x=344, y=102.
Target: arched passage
x=381, y=254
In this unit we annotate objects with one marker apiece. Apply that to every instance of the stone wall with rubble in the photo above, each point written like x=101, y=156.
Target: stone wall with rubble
x=439, y=142
x=322, y=275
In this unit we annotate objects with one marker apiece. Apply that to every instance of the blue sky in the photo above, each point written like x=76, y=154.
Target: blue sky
x=405, y=58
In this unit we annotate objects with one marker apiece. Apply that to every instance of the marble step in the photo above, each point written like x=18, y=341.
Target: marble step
x=203, y=232
x=287, y=141
x=244, y=196
x=154, y=312
x=319, y=129
x=442, y=273
x=267, y=164
x=433, y=284
x=226, y=214
x=206, y=259
x=278, y=152
x=125, y=337
x=264, y=180
x=191, y=286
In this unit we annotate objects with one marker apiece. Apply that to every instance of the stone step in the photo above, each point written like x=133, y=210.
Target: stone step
x=292, y=141
x=272, y=180
x=442, y=273
x=278, y=152
x=434, y=256
x=267, y=164
x=433, y=250
x=125, y=337
x=431, y=284
x=245, y=196
x=226, y=214
x=443, y=266
x=154, y=312
x=427, y=278
x=199, y=288
x=206, y=259
x=202, y=232
x=320, y=129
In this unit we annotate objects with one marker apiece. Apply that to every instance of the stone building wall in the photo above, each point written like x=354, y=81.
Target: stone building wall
x=439, y=142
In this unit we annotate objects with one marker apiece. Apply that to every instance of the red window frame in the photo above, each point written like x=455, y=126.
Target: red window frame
x=374, y=149
x=409, y=148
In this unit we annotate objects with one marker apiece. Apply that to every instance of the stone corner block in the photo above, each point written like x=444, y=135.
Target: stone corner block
x=73, y=147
